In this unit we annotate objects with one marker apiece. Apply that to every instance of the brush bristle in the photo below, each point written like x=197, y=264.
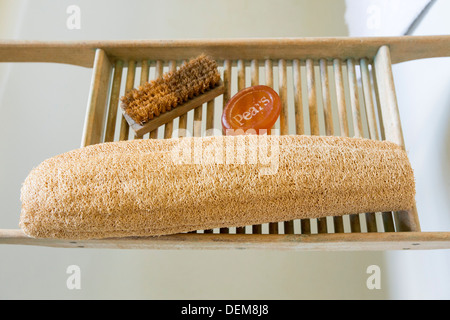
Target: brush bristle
x=174, y=88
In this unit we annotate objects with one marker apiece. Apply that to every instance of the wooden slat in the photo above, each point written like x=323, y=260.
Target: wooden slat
x=328, y=120
x=182, y=120
x=388, y=221
x=82, y=53
x=354, y=99
x=368, y=99
x=298, y=100
x=209, y=129
x=240, y=86
x=403, y=48
x=282, y=91
x=326, y=106
x=210, y=111
x=226, y=82
x=371, y=221
x=98, y=96
x=305, y=224
x=240, y=74
x=254, y=73
x=388, y=98
x=300, y=242
x=168, y=126
x=145, y=71
x=159, y=70
x=129, y=85
x=355, y=223
x=340, y=95
x=329, y=130
x=312, y=97
x=404, y=220
x=338, y=221
x=268, y=69
x=74, y=52
x=314, y=120
x=227, y=76
x=326, y=100
x=387, y=217
x=113, y=102
x=284, y=125
x=372, y=125
x=378, y=103
x=269, y=72
x=197, y=119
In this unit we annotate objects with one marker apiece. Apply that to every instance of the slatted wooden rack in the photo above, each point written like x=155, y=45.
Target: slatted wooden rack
x=328, y=86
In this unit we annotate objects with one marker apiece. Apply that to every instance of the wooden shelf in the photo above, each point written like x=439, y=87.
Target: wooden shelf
x=307, y=242
x=328, y=86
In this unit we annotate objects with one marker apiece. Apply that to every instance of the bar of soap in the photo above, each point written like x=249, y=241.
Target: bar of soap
x=253, y=110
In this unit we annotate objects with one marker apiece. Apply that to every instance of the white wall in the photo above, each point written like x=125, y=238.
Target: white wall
x=47, y=117
x=424, y=102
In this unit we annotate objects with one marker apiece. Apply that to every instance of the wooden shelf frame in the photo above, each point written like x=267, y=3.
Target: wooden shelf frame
x=297, y=242
x=313, y=63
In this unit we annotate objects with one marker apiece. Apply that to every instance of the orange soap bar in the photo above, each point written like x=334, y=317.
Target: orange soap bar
x=253, y=110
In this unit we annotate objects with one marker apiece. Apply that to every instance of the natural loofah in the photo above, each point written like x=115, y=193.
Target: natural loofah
x=149, y=187
x=174, y=88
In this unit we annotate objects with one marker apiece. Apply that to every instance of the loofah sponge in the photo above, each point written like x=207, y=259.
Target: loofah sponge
x=174, y=88
x=156, y=187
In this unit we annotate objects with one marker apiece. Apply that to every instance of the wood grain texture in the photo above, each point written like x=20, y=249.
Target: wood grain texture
x=82, y=53
x=312, y=97
x=168, y=125
x=113, y=102
x=340, y=97
x=284, y=124
x=326, y=99
x=354, y=99
x=268, y=69
x=159, y=71
x=371, y=123
x=254, y=73
x=96, y=108
x=129, y=85
x=296, y=242
x=298, y=101
x=404, y=220
x=368, y=99
x=343, y=122
x=240, y=86
x=329, y=130
x=282, y=91
x=227, y=68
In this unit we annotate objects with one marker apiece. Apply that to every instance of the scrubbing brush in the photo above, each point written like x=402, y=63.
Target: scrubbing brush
x=159, y=101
